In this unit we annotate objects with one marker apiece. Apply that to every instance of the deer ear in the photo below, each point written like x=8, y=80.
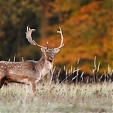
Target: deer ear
x=43, y=50
x=56, y=51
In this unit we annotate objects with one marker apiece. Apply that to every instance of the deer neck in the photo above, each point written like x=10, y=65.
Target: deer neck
x=44, y=65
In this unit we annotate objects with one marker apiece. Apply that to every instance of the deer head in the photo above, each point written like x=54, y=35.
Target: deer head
x=48, y=53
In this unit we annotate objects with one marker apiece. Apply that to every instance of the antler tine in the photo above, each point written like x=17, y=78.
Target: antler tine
x=61, y=43
x=47, y=44
x=29, y=37
x=27, y=28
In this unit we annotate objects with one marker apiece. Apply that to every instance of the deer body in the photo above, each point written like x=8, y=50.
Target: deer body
x=12, y=71
x=28, y=72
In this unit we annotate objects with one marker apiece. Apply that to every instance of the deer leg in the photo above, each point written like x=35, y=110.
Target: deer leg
x=1, y=82
x=26, y=94
x=2, y=77
x=33, y=84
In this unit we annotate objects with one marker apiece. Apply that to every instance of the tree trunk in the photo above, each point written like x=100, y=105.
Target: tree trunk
x=44, y=19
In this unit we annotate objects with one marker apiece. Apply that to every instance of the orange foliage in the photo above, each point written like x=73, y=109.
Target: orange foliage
x=85, y=36
x=92, y=7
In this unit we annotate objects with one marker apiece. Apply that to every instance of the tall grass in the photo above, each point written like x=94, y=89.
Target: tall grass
x=62, y=98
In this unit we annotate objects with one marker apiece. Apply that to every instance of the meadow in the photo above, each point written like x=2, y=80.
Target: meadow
x=57, y=98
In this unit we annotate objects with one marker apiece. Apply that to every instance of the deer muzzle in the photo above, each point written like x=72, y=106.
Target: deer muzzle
x=51, y=58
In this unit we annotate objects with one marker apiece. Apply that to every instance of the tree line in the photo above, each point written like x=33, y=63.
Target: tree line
x=86, y=25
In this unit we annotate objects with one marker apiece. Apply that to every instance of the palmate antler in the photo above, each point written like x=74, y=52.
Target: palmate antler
x=29, y=38
x=28, y=35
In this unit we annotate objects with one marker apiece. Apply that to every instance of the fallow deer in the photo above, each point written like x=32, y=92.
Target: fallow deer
x=29, y=72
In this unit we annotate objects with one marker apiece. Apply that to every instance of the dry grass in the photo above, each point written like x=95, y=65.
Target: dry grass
x=62, y=98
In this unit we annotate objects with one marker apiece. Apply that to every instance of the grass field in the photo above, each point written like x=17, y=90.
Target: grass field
x=57, y=98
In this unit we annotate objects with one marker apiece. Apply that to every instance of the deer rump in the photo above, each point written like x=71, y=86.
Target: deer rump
x=18, y=72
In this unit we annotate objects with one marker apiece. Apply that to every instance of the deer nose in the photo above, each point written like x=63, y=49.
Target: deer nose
x=51, y=58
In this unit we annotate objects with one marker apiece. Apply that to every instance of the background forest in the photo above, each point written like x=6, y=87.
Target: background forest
x=87, y=27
